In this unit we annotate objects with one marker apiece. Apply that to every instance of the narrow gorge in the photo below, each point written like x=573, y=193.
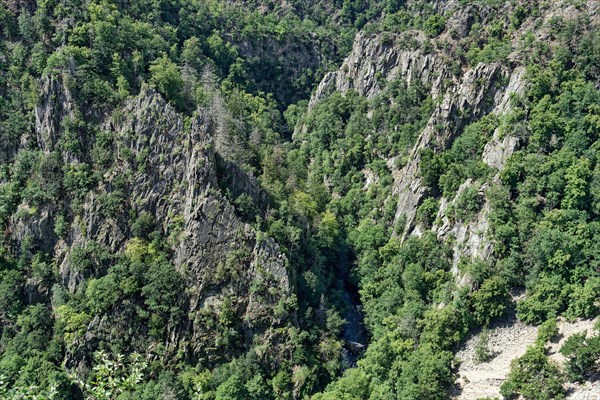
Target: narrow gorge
x=227, y=200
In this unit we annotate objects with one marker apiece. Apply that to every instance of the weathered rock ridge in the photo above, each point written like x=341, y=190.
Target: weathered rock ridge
x=475, y=93
x=461, y=97
x=160, y=168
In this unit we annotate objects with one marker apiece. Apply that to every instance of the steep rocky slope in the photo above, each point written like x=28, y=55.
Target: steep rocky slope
x=165, y=172
x=475, y=93
x=461, y=97
x=156, y=211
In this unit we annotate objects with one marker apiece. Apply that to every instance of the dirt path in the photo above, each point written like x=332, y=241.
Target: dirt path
x=508, y=342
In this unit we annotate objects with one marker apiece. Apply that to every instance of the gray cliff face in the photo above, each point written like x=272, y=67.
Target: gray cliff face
x=471, y=237
x=462, y=103
x=375, y=60
x=56, y=104
x=460, y=99
x=161, y=168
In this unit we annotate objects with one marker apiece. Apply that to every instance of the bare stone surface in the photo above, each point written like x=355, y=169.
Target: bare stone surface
x=507, y=343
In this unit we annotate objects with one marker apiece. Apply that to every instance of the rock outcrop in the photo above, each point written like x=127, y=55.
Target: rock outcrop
x=462, y=103
x=461, y=97
x=376, y=60
x=55, y=105
x=471, y=238
x=167, y=172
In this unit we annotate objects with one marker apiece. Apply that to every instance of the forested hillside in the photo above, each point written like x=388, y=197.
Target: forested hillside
x=222, y=199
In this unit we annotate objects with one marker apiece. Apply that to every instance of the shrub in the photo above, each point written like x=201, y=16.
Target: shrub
x=582, y=355
x=547, y=331
x=232, y=389
x=518, y=16
x=493, y=51
x=114, y=376
x=468, y=203
x=102, y=293
x=430, y=168
x=427, y=375
x=442, y=328
x=545, y=300
x=166, y=77
x=584, y=300
x=534, y=377
x=143, y=225
x=490, y=300
x=434, y=25
x=245, y=206
x=427, y=211
x=482, y=349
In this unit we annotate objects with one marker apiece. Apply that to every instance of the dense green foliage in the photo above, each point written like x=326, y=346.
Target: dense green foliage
x=583, y=353
x=330, y=201
x=534, y=377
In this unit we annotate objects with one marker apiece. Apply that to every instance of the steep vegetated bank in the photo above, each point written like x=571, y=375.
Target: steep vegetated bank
x=183, y=219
